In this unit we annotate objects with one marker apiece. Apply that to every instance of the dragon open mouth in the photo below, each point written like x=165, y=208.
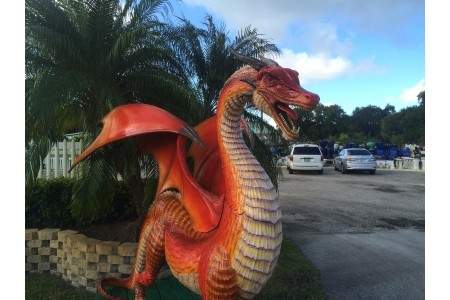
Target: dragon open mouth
x=286, y=118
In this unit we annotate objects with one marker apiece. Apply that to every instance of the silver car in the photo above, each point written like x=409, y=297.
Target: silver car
x=355, y=159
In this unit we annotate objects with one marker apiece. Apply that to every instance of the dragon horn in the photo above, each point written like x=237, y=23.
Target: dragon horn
x=253, y=62
x=268, y=61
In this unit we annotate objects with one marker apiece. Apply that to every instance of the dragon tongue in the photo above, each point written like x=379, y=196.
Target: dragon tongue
x=284, y=107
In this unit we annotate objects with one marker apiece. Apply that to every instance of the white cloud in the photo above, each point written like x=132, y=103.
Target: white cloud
x=326, y=52
x=315, y=67
x=410, y=94
x=259, y=14
x=385, y=17
x=323, y=37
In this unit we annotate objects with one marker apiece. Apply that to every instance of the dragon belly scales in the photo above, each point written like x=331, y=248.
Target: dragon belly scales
x=255, y=230
x=259, y=241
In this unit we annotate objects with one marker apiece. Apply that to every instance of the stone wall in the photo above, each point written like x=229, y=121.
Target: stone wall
x=75, y=257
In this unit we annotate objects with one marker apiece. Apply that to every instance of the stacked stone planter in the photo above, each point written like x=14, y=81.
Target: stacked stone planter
x=77, y=258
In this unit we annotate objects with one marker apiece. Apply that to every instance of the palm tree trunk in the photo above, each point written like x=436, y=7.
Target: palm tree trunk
x=133, y=181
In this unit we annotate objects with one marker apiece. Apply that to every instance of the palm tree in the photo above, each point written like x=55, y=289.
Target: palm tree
x=208, y=59
x=85, y=57
x=82, y=59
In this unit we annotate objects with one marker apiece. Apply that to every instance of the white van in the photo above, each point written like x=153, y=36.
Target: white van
x=305, y=157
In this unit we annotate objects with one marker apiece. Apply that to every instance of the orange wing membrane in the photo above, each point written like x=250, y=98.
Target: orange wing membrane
x=162, y=135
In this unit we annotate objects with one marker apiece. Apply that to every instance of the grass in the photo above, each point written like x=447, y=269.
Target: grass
x=46, y=287
x=293, y=278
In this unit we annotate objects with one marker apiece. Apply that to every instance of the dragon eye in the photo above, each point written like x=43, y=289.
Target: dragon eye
x=271, y=77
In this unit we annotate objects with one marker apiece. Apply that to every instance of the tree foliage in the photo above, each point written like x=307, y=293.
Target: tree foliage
x=322, y=122
x=364, y=124
x=207, y=56
x=367, y=120
x=406, y=126
x=83, y=58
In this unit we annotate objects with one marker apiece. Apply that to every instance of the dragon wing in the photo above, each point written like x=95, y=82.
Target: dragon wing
x=164, y=136
x=207, y=168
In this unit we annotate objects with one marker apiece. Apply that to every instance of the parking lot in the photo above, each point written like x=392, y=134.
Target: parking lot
x=364, y=232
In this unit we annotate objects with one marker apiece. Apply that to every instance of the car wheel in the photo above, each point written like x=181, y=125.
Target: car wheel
x=371, y=172
x=320, y=172
x=343, y=170
x=335, y=167
x=290, y=171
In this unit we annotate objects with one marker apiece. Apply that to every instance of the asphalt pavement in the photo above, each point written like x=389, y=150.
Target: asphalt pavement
x=365, y=233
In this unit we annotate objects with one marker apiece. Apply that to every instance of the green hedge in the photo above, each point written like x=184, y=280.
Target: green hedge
x=48, y=204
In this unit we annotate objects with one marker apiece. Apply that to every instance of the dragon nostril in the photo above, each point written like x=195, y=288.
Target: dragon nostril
x=316, y=98
x=312, y=98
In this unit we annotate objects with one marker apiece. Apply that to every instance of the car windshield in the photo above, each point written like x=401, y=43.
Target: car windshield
x=307, y=150
x=358, y=152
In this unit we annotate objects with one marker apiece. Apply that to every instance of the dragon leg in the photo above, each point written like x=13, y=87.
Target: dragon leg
x=149, y=255
x=218, y=279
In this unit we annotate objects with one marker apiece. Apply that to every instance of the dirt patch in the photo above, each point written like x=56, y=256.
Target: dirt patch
x=387, y=189
x=385, y=226
x=419, y=188
x=392, y=223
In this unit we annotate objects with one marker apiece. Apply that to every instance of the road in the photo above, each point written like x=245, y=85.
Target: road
x=364, y=232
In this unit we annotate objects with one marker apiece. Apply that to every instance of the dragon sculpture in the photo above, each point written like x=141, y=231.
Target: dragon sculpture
x=218, y=225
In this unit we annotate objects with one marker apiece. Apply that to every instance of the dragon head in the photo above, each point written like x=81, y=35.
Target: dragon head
x=277, y=92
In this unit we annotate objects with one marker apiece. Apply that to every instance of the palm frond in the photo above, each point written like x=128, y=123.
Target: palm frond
x=35, y=153
x=91, y=199
x=265, y=157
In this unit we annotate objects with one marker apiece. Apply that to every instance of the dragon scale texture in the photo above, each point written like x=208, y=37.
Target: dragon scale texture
x=259, y=241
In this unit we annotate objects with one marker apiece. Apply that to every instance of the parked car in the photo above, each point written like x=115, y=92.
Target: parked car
x=355, y=159
x=305, y=157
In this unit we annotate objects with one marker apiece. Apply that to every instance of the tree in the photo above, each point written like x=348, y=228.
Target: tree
x=208, y=60
x=82, y=59
x=406, y=126
x=421, y=98
x=367, y=120
x=208, y=57
x=334, y=121
x=389, y=109
x=323, y=122
x=306, y=122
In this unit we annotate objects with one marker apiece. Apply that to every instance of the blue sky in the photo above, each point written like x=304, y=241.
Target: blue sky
x=350, y=52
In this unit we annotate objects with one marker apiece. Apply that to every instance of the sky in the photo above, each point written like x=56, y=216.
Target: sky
x=352, y=53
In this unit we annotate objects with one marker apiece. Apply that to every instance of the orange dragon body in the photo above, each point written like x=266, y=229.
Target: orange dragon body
x=217, y=226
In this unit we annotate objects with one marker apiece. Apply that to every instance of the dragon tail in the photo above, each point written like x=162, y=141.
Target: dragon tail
x=111, y=281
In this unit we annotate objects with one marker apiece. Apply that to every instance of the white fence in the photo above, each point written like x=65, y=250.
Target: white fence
x=59, y=159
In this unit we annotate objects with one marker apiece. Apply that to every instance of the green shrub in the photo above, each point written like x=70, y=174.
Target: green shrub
x=48, y=204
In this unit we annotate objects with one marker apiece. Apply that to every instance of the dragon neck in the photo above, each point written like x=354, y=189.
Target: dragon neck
x=251, y=205
x=241, y=169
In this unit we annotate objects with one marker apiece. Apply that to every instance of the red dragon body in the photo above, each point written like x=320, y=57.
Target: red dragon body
x=218, y=226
